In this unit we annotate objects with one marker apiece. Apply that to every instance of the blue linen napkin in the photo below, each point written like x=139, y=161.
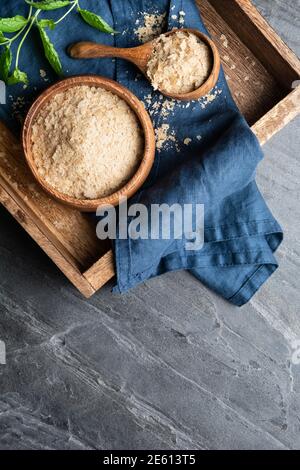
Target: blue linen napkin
x=210, y=158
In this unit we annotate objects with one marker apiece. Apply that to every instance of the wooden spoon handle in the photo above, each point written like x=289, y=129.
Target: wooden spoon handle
x=91, y=50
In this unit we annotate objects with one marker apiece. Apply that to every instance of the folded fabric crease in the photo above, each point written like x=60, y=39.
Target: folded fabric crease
x=218, y=171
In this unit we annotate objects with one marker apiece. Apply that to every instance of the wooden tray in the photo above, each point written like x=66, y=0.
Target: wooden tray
x=261, y=72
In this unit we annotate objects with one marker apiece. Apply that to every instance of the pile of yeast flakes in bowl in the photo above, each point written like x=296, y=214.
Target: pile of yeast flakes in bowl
x=180, y=63
x=87, y=143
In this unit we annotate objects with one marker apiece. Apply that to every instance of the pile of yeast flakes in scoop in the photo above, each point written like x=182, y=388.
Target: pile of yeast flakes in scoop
x=87, y=143
x=180, y=63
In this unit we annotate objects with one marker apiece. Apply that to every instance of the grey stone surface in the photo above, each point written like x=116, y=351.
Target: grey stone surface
x=169, y=365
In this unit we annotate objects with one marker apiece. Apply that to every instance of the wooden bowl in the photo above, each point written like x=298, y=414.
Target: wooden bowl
x=211, y=80
x=134, y=184
x=141, y=55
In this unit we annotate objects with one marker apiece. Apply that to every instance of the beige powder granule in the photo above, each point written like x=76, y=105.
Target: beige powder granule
x=159, y=106
x=167, y=108
x=180, y=63
x=163, y=136
x=153, y=25
x=209, y=98
x=181, y=18
x=224, y=40
x=87, y=142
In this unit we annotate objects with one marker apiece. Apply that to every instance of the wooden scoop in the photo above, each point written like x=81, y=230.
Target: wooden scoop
x=140, y=56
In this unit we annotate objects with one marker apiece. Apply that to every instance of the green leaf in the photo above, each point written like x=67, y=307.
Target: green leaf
x=5, y=63
x=48, y=5
x=17, y=77
x=50, y=52
x=95, y=21
x=47, y=24
x=2, y=38
x=12, y=25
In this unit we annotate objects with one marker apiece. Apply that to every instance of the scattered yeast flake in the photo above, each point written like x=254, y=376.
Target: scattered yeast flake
x=224, y=40
x=209, y=98
x=181, y=17
x=167, y=107
x=159, y=106
x=151, y=27
x=43, y=73
x=165, y=136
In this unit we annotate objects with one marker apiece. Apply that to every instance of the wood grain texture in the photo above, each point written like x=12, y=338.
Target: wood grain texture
x=261, y=97
x=50, y=245
x=278, y=117
x=101, y=272
x=266, y=45
x=72, y=229
x=253, y=88
x=286, y=15
x=169, y=365
x=141, y=55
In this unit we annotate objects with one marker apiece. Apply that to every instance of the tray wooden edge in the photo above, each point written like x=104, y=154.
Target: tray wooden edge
x=275, y=120
x=38, y=235
x=89, y=282
x=278, y=117
x=101, y=272
x=254, y=30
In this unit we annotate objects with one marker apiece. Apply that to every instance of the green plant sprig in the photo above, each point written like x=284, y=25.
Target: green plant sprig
x=22, y=27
